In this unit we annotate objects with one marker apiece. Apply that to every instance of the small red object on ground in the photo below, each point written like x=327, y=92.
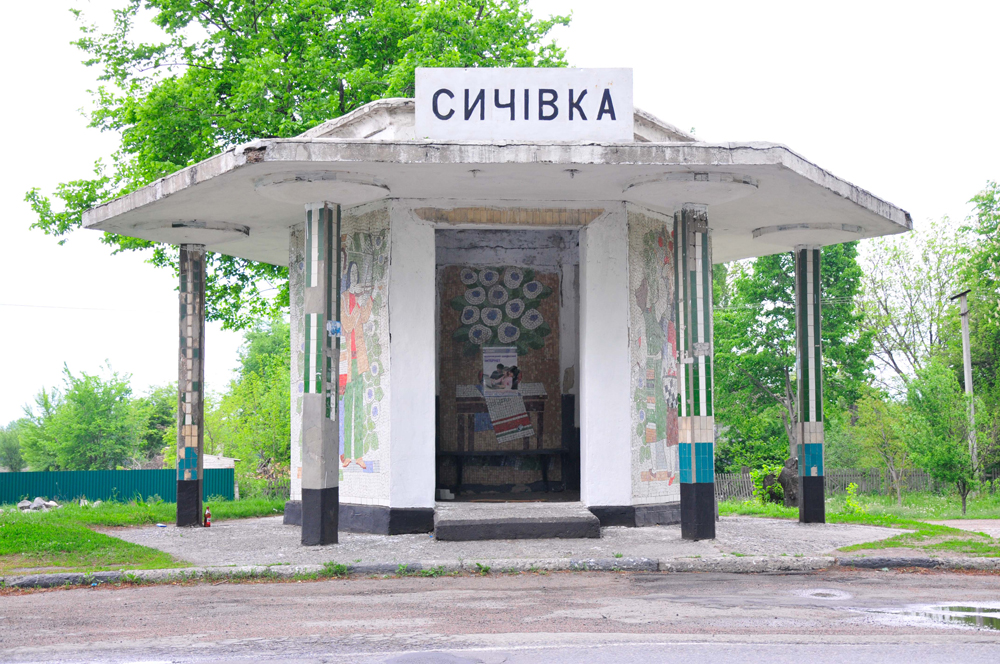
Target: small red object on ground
x=208, y=518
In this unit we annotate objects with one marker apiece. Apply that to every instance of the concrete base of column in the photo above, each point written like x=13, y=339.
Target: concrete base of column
x=293, y=513
x=320, y=512
x=698, y=510
x=812, y=500
x=189, y=510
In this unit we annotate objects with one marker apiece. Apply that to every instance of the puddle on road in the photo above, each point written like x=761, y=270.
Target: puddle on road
x=982, y=617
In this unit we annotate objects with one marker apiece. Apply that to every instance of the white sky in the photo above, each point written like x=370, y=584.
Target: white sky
x=897, y=99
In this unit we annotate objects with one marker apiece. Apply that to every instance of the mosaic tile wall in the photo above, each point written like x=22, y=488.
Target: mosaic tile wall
x=652, y=353
x=363, y=387
x=296, y=283
x=508, y=306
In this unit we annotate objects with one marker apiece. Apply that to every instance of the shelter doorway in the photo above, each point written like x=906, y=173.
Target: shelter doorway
x=507, y=364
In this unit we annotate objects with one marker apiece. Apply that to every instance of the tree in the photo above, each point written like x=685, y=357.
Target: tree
x=157, y=414
x=941, y=445
x=10, y=447
x=883, y=429
x=229, y=72
x=755, y=384
x=906, y=285
x=91, y=426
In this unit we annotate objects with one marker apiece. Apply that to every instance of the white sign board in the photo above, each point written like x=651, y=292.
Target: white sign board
x=524, y=104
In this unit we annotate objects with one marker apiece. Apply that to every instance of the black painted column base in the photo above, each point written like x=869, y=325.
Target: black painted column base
x=698, y=511
x=812, y=501
x=320, y=514
x=189, y=512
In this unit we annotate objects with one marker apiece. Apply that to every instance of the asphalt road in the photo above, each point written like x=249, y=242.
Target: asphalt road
x=842, y=616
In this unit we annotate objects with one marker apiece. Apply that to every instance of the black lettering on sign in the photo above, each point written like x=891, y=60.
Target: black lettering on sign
x=607, y=106
x=442, y=91
x=479, y=101
x=576, y=104
x=553, y=96
x=496, y=102
x=526, y=91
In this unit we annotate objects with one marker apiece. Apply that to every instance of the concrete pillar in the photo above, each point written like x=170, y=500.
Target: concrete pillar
x=810, y=384
x=412, y=296
x=695, y=408
x=320, y=323
x=605, y=392
x=191, y=385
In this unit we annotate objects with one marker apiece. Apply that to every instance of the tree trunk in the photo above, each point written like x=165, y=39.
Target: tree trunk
x=964, y=496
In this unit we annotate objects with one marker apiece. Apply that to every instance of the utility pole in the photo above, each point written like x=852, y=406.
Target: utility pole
x=967, y=361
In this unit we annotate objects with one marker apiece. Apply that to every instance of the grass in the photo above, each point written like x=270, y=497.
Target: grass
x=927, y=506
x=64, y=539
x=929, y=537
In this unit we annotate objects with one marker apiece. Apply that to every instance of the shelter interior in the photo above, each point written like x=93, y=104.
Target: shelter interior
x=507, y=327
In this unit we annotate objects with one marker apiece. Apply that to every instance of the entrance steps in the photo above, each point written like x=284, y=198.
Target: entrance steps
x=467, y=521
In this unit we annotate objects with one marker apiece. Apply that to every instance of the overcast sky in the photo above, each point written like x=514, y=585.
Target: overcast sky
x=899, y=100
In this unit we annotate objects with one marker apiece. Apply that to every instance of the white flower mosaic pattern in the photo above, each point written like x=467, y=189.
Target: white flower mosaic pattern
x=533, y=289
x=515, y=308
x=492, y=316
x=498, y=295
x=480, y=334
x=493, y=306
x=469, y=276
x=470, y=316
x=512, y=277
x=475, y=295
x=531, y=319
x=488, y=277
x=508, y=333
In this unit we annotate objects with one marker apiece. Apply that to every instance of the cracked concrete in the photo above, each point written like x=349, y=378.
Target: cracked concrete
x=265, y=541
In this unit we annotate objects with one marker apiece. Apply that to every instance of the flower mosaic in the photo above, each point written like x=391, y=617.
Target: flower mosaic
x=504, y=291
x=492, y=316
x=475, y=295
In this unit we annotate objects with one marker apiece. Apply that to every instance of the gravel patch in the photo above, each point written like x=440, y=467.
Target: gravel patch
x=266, y=541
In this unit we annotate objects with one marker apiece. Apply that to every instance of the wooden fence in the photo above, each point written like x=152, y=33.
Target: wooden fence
x=739, y=486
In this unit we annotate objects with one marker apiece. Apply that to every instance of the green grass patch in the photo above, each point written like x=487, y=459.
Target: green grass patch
x=45, y=547
x=756, y=508
x=929, y=537
x=64, y=540
x=924, y=506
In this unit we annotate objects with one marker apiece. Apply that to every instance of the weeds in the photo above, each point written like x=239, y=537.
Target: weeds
x=482, y=569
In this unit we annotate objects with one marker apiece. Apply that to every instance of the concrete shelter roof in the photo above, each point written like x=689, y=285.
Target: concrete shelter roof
x=763, y=198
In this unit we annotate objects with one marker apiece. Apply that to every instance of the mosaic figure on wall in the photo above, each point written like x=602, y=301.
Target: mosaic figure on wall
x=363, y=269
x=653, y=351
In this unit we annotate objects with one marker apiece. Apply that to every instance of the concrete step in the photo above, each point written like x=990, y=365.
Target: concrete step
x=463, y=522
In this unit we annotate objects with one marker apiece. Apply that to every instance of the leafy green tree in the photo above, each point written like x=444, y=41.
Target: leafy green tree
x=906, y=285
x=37, y=436
x=94, y=426
x=755, y=390
x=228, y=72
x=157, y=414
x=883, y=429
x=941, y=443
x=10, y=447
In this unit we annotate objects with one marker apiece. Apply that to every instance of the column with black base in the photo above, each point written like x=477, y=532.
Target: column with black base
x=320, y=428
x=191, y=385
x=810, y=384
x=695, y=409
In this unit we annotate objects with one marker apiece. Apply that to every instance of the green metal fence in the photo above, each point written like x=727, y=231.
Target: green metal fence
x=122, y=485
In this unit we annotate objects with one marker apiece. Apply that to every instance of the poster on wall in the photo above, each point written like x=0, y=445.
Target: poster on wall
x=500, y=373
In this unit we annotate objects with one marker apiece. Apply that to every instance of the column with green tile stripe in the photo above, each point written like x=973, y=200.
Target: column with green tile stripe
x=320, y=430
x=695, y=408
x=190, y=384
x=809, y=363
